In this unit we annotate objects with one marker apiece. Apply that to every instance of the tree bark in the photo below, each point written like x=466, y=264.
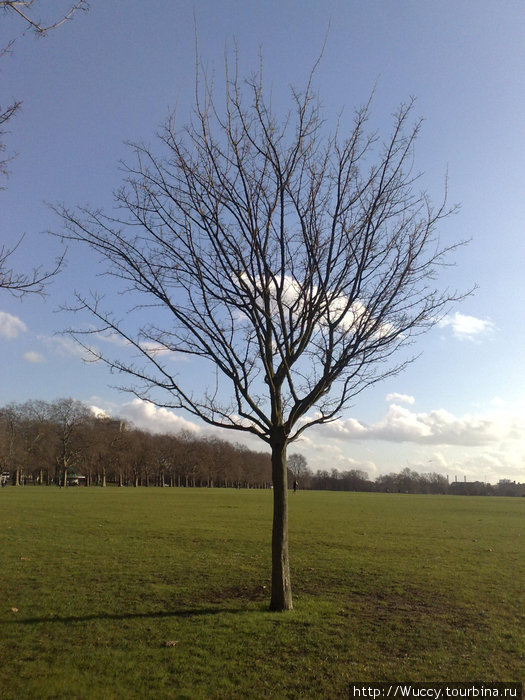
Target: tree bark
x=281, y=586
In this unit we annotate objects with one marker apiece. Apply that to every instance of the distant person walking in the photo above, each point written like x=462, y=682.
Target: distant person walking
x=295, y=486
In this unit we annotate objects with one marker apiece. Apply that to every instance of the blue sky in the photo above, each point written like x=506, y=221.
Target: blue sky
x=113, y=74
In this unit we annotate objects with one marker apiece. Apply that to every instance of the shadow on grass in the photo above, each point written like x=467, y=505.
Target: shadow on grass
x=183, y=613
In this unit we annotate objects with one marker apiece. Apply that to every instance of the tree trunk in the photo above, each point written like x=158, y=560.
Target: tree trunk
x=281, y=585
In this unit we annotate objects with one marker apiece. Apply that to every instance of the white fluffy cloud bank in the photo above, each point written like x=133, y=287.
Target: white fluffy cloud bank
x=437, y=427
x=148, y=417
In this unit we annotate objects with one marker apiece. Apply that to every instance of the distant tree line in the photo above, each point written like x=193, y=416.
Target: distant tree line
x=64, y=443
x=406, y=481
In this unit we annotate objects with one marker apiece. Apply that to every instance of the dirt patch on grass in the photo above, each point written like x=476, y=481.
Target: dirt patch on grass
x=239, y=593
x=413, y=603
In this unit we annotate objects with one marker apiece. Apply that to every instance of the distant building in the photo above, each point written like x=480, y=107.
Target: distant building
x=468, y=488
x=76, y=480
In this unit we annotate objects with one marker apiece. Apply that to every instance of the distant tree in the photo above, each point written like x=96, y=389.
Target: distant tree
x=293, y=263
x=355, y=480
x=164, y=449
x=506, y=487
x=36, y=435
x=433, y=483
x=388, y=482
x=322, y=480
x=171, y=449
x=68, y=418
x=235, y=472
x=220, y=456
x=103, y=450
x=136, y=456
x=11, y=455
x=408, y=481
x=298, y=465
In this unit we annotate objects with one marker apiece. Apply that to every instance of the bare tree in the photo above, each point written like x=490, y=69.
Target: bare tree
x=10, y=442
x=21, y=283
x=35, y=281
x=295, y=264
x=68, y=418
x=298, y=465
x=5, y=116
x=25, y=10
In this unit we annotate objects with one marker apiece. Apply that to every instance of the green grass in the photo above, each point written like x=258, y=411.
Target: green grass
x=163, y=593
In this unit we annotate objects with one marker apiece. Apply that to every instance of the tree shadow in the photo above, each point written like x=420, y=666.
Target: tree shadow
x=181, y=614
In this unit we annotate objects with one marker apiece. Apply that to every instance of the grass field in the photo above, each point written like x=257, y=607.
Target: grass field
x=162, y=593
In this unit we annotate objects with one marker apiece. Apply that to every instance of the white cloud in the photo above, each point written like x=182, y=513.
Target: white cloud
x=294, y=296
x=153, y=418
x=99, y=412
x=403, y=398
x=152, y=347
x=64, y=346
x=11, y=326
x=329, y=455
x=34, y=357
x=113, y=339
x=492, y=465
x=437, y=427
x=467, y=327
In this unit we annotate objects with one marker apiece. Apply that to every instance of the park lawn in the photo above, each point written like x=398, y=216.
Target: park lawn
x=163, y=593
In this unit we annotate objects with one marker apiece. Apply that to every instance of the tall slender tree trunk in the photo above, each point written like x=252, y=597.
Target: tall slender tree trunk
x=281, y=585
